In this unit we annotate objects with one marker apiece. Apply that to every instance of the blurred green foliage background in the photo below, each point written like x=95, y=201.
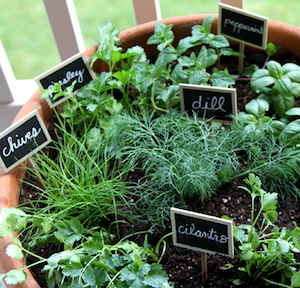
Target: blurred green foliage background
x=30, y=47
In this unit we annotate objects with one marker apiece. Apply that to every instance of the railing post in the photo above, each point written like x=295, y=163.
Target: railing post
x=7, y=78
x=146, y=10
x=65, y=27
x=236, y=3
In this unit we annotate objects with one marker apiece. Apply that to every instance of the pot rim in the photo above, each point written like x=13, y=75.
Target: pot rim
x=289, y=36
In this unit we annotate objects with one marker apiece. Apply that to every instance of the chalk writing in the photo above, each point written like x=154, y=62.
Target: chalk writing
x=214, y=105
x=237, y=27
x=70, y=76
x=211, y=234
x=12, y=146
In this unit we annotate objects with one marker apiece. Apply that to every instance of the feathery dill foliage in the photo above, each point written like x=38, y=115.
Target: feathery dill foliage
x=80, y=182
x=179, y=155
x=184, y=156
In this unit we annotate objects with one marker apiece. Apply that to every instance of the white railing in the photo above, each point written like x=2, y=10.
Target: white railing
x=69, y=41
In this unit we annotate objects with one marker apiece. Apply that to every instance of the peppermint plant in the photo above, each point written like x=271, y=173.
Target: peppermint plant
x=264, y=249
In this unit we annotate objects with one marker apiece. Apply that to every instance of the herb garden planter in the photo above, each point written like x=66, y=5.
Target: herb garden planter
x=280, y=34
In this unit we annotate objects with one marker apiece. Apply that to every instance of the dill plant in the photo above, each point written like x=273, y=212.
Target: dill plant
x=185, y=157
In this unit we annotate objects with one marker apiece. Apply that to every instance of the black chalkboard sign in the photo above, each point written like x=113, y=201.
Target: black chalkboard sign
x=75, y=68
x=21, y=140
x=202, y=232
x=237, y=24
x=210, y=103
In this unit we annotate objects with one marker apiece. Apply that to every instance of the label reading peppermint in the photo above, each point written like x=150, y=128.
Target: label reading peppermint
x=242, y=26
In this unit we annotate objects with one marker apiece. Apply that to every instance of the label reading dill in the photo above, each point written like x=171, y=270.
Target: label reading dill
x=209, y=103
x=21, y=140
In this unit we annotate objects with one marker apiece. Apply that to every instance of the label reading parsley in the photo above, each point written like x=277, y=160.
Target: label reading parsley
x=73, y=69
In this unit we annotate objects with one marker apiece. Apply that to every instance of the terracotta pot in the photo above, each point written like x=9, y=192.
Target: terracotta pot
x=279, y=33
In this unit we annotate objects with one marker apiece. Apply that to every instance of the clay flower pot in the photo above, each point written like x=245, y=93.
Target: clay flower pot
x=280, y=34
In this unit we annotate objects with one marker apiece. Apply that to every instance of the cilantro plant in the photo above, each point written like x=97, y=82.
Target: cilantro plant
x=265, y=250
x=88, y=260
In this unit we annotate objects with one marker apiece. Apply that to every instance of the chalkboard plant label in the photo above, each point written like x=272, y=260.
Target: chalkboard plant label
x=202, y=232
x=23, y=139
x=242, y=26
x=210, y=103
x=75, y=68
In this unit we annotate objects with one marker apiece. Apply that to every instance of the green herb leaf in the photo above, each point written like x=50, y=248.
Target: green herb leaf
x=292, y=71
x=246, y=254
x=221, y=79
x=295, y=280
x=282, y=103
x=274, y=69
x=14, y=251
x=284, y=86
x=257, y=107
x=284, y=247
x=269, y=201
x=261, y=78
x=156, y=276
x=207, y=23
x=74, y=269
x=219, y=41
x=293, y=111
x=255, y=240
x=15, y=277
x=237, y=282
x=291, y=133
x=88, y=276
x=198, y=77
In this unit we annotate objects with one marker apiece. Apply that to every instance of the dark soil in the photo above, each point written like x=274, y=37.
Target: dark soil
x=182, y=265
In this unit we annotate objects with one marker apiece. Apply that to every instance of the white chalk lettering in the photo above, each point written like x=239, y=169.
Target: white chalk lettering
x=214, y=104
x=70, y=76
x=19, y=141
x=237, y=27
x=211, y=234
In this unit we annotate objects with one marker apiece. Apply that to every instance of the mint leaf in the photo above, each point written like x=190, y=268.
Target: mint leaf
x=218, y=41
x=207, y=23
x=221, y=79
